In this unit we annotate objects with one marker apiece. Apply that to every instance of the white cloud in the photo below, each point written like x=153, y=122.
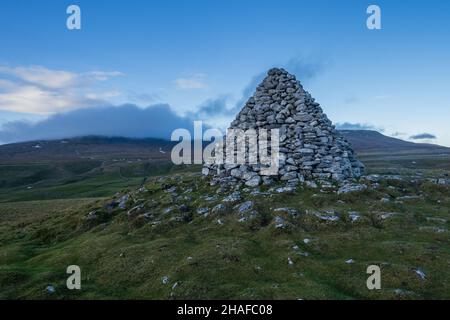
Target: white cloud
x=56, y=79
x=44, y=91
x=102, y=95
x=32, y=99
x=103, y=75
x=41, y=76
x=196, y=81
x=5, y=84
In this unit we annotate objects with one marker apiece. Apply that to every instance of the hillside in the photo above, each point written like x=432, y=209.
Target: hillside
x=180, y=238
x=373, y=141
x=79, y=167
x=128, y=149
x=99, y=166
x=141, y=228
x=86, y=148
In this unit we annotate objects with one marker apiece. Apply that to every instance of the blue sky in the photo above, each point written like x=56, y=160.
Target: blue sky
x=206, y=55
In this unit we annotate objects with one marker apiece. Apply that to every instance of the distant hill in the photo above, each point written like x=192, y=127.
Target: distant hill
x=87, y=148
x=100, y=166
x=372, y=141
x=128, y=149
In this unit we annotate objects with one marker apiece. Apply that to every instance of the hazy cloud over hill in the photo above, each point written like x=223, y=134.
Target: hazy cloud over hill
x=356, y=126
x=156, y=121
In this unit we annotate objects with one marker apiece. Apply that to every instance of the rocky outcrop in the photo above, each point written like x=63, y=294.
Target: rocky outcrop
x=310, y=147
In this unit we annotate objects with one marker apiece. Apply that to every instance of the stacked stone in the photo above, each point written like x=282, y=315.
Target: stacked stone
x=311, y=149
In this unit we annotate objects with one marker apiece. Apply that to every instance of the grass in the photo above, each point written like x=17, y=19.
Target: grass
x=126, y=257
x=45, y=229
x=82, y=179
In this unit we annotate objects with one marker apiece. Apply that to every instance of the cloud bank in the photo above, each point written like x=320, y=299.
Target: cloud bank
x=157, y=121
x=356, y=126
x=71, y=102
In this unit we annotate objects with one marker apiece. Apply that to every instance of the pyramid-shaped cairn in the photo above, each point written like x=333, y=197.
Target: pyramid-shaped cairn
x=310, y=148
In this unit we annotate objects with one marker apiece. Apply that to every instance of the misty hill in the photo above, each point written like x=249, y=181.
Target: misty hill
x=87, y=148
x=80, y=167
x=364, y=141
x=128, y=149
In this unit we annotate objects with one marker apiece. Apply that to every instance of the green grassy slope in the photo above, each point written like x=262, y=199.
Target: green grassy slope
x=75, y=179
x=127, y=256
x=44, y=227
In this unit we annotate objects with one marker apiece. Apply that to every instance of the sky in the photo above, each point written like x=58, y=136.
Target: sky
x=143, y=68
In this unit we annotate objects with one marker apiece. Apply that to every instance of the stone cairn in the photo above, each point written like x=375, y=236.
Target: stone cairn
x=311, y=149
